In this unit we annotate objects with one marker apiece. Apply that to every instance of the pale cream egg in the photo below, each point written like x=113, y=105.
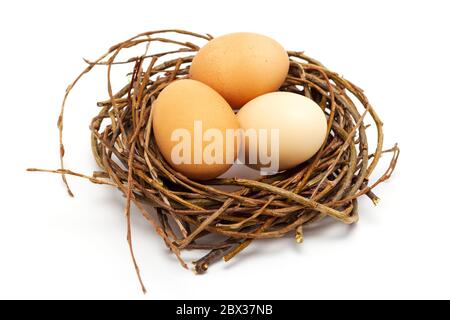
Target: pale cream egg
x=300, y=122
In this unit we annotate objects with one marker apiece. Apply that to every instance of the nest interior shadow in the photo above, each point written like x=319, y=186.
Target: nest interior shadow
x=328, y=185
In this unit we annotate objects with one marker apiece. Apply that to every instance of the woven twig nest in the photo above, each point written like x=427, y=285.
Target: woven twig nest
x=187, y=211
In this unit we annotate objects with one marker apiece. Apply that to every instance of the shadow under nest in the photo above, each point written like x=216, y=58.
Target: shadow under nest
x=187, y=211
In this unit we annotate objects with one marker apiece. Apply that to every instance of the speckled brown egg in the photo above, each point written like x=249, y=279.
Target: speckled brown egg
x=241, y=66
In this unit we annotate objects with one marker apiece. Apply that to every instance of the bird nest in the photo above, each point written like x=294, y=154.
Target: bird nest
x=188, y=212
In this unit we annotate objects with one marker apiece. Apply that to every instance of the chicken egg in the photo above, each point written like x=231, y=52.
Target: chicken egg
x=190, y=123
x=300, y=122
x=241, y=66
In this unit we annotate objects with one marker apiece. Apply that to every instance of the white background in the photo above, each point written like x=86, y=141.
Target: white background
x=52, y=246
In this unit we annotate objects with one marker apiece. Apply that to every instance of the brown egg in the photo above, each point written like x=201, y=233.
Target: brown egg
x=190, y=123
x=241, y=66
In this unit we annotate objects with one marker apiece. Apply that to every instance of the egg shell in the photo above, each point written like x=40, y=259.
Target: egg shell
x=178, y=106
x=241, y=66
x=301, y=123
